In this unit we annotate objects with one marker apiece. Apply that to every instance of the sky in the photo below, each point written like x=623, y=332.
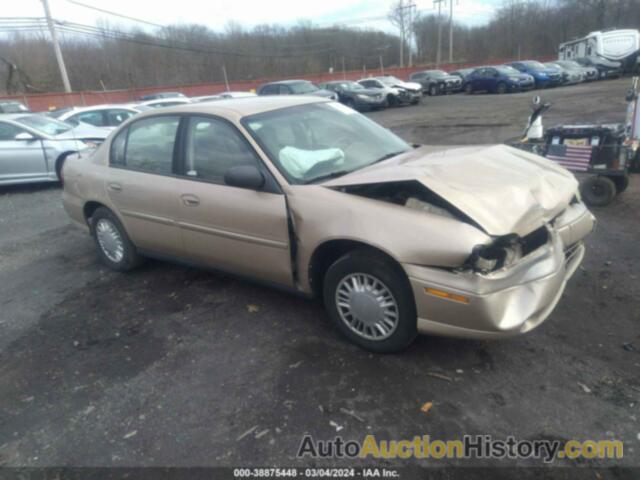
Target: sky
x=217, y=13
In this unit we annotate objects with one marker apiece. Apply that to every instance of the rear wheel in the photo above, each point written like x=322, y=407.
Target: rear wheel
x=468, y=89
x=598, y=191
x=622, y=182
x=369, y=299
x=114, y=246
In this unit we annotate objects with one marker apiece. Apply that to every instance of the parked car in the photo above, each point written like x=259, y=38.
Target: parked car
x=544, y=77
x=569, y=77
x=11, y=106
x=222, y=96
x=437, y=82
x=355, y=96
x=159, y=95
x=590, y=72
x=109, y=116
x=164, y=102
x=462, y=74
x=604, y=72
x=34, y=147
x=395, y=95
x=304, y=193
x=498, y=79
x=295, y=87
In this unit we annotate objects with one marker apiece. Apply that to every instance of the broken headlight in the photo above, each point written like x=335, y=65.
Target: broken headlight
x=503, y=252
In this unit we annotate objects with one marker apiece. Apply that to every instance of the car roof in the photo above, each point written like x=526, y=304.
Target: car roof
x=287, y=82
x=239, y=107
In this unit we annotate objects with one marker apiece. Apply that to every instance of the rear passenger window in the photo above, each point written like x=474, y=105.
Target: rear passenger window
x=150, y=143
x=212, y=147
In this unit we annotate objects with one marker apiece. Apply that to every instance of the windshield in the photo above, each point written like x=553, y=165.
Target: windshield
x=351, y=86
x=508, y=70
x=303, y=87
x=390, y=81
x=309, y=143
x=48, y=126
x=534, y=65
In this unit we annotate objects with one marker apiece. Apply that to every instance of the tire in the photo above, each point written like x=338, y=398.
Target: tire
x=103, y=218
x=598, y=191
x=380, y=274
x=434, y=90
x=501, y=88
x=392, y=101
x=468, y=89
x=621, y=182
x=350, y=103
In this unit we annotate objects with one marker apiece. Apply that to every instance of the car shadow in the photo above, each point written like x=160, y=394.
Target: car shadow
x=29, y=187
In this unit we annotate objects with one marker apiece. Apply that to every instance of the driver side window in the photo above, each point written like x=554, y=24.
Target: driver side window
x=212, y=147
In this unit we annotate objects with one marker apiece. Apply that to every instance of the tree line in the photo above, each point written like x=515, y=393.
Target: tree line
x=108, y=56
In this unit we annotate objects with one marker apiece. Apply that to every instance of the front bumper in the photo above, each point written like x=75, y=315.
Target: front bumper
x=507, y=302
x=371, y=102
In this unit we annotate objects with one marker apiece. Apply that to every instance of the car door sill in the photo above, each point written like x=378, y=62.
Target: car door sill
x=186, y=263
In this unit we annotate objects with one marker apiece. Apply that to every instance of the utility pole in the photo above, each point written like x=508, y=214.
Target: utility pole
x=450, y=32
x=407, y=26
x=381, y=65
x=56, y=47
x=344, y=70
x=439, y=4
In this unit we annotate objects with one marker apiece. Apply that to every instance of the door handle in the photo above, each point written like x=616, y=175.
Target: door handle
x=115, y=187
x=190, y=200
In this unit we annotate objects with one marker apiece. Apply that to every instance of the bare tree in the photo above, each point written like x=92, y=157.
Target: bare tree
x=400, y=17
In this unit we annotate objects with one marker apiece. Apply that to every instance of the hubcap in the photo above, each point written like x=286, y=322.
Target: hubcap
x=110, y=240
x=367, y=306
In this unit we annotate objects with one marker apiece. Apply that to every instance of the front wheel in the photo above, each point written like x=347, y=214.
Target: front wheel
x=392, y=101
x=369, y=299
x=501, y=88
x=114, y=246
x=598, y=191
x=433, y=90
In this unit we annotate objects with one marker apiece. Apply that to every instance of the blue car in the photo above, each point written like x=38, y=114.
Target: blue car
x=499, y=79
x=544, y=77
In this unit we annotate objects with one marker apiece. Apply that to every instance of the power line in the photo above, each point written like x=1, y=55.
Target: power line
x=115, y=14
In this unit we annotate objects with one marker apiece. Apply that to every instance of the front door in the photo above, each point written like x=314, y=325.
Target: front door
x=234, y=229
x=20, y=159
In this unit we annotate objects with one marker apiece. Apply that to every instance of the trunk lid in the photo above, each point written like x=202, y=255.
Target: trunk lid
x=501, y=188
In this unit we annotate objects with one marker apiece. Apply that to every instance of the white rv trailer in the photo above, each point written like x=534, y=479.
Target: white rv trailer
x=610, y=48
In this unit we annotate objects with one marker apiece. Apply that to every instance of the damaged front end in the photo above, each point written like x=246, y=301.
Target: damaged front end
x=507, y=285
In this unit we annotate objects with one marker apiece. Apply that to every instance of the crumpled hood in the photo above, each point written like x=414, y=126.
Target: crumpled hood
x=501, y=188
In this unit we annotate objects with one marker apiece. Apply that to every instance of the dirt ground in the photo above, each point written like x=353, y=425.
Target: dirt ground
x=171, y=366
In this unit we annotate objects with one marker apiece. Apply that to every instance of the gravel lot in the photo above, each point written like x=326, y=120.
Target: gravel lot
x=170, y=366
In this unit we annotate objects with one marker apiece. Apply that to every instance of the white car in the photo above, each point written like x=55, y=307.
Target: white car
x=107, y=116
x=165, y=102
x=222, y=96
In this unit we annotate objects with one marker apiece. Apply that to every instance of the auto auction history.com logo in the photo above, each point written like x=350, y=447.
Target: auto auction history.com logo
x=469, y=447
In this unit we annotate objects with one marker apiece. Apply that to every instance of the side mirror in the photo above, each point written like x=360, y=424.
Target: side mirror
x=244, y=176
x=24, y=136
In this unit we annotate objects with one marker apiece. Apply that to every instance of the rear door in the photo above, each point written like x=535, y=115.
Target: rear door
x=142, y=185
x=20, y=159
x=234, y=229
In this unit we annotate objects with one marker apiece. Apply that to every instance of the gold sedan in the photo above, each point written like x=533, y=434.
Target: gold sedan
x=309, y=195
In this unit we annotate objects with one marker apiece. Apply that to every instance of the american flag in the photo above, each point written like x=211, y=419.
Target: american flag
x=571, y=157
